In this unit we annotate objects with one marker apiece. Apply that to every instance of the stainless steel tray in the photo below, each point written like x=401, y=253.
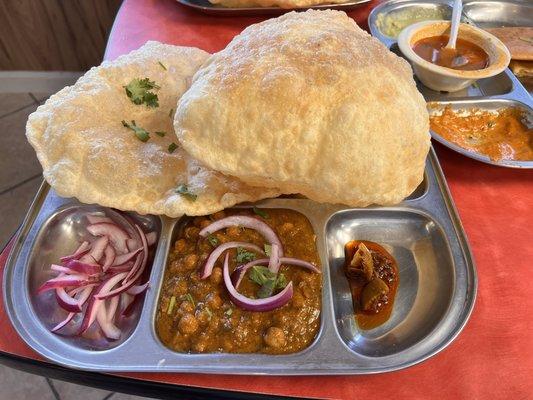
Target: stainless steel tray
x=206, y=7
x=436, y=294
x=488, y=94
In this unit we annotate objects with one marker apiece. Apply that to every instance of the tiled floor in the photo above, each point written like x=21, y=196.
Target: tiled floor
x=20, y=177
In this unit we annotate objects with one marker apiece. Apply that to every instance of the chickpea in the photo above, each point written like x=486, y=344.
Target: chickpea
x=188, y=324
x=275, y=337
x=198, y=221
x=180, y=289
x=190, y=261
x=205, y=223
x=192, y=232
x=286, y=228
x=216, y=275
x=219, y=215
x=200, y=346
x=186, y=307
x=298, y=300
x=203, y=317
x=214, y=301
x=180, y=246
x=233, y=231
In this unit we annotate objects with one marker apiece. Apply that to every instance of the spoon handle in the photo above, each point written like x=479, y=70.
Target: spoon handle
x=456, y=20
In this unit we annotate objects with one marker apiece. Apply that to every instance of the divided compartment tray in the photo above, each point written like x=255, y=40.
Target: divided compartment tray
x=490, y=94
x=436, y=295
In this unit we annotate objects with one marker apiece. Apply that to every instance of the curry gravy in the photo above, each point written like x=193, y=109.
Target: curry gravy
x=196, y=315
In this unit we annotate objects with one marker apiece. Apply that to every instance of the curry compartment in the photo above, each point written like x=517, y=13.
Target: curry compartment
x=196, y=315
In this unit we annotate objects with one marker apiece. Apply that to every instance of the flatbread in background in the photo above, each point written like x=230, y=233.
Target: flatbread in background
x=311, y=104
x=87, y=153
x=274, y=3
x=519, y=41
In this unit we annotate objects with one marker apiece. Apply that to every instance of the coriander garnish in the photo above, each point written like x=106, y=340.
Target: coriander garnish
x=212, y=239
x=228, y=312
x=259, y=212
x=244, y=256
x=268, y=249
x=162, y=66
x=160, y=133
x=185, y=192
x=268, y=280
x=171, y=147
x=209, y=313
x=171, y=305
x=138, y=90
x=189, y=298
x=142, y=134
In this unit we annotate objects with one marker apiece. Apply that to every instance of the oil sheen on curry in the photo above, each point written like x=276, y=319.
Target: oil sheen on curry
x=499, y=135
x=242, y=281
x=373, y=277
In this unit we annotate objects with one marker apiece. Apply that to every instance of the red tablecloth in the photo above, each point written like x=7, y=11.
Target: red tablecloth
x=491, y=359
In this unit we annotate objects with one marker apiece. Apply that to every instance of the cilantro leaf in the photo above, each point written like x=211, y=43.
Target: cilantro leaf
x=171, y=147
x=268, y=249
x=160, y=133
x=185, y=192
x=138, y=90
x=244, y=256
x=142, y=134
x=259, y=212
x=268, y=281
x=212, y=239
x=189, y=298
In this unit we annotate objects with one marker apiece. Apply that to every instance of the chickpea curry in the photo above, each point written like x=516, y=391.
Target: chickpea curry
x=373, y=277
x=200, y=310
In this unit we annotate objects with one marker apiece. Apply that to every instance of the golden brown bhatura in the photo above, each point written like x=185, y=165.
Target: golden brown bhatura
x=312, y=104
x=87, y=153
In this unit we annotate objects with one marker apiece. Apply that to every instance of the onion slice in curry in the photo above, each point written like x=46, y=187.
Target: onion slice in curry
x=213, y=256
x=247, y=222
x=267, y=304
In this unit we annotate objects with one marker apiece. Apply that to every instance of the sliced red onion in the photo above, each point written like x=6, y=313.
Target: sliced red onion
x=84, y=268
x=64, y=281
x=248, y=222
x=98, y=248
x=80, y=251
x=151, y=238
x=240, y=271
x=128, y=303
x=274, y=264
x=127, y=282
x=110, y=330
x=95, y=303
x=138, y=289
x=63, y=323
x=120, y=268
x=62, y=269
x=207, y=269
x=132, y=244
x=124, y=258
x=66, y=301
x=99, y=219
x=268, y=304
x=112, y=308
x=109, y=254
x=116, y=235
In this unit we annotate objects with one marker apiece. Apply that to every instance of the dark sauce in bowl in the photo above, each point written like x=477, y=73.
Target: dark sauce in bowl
x=466, y=57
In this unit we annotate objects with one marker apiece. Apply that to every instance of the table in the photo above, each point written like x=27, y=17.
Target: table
x=492, y=358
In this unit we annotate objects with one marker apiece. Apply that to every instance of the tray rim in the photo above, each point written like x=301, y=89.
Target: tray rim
x=249, y=11
x=462, y=314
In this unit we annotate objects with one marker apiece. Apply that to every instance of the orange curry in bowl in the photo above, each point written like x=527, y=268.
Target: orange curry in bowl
x=197, y=314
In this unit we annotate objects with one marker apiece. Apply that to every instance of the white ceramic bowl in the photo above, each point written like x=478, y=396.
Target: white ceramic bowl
x=447, y=79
